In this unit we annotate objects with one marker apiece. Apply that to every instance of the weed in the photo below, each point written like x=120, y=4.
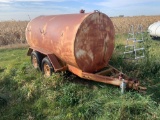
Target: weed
x=26, y=94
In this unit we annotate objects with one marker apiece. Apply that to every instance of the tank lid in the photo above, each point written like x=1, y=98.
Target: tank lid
x=82, y=11
x=96, y=11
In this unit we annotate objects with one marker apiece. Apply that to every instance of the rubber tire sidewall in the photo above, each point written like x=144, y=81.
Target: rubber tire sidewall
x=47, y=61
x=38, y=57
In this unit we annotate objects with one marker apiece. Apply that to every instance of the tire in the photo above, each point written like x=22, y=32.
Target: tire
x=36, y=59
x=47, y=68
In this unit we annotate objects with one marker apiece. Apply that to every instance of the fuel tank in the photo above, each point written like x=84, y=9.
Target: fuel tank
x=84, y=40
x=154, y=29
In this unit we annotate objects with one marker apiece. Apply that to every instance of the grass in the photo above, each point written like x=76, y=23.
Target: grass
x=26, y=94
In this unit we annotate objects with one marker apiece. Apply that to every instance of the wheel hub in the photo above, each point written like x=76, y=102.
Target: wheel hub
x=34, y=62
x=47, y=70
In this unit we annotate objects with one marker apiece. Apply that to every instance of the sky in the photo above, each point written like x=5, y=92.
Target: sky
x=29, y=9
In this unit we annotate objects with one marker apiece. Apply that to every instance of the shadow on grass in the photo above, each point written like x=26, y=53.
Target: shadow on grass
x=70, y=77
x=156, y=38
x=154, y=90
x=3, y=101
x=2, y=69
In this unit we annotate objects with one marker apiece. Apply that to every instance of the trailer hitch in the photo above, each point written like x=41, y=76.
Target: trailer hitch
x=130, y=83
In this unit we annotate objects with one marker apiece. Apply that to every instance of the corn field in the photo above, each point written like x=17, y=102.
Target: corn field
x=122, y=24
x=13, y=32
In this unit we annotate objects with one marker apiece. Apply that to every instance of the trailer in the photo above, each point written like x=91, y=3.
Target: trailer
x=80, y=43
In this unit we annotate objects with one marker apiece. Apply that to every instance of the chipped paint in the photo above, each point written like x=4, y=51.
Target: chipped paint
x=90, y=54
x=80, y=53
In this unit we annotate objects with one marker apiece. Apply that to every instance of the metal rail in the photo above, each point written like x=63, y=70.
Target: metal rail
x=132, y=43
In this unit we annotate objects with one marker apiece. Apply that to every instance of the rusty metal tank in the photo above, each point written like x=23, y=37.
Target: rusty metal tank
x=84, y=40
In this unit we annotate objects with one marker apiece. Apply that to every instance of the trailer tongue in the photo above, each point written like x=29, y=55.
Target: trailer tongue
x=109, y=75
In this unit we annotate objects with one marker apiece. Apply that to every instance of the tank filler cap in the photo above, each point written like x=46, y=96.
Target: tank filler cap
x=82, y=11
x=96, y=11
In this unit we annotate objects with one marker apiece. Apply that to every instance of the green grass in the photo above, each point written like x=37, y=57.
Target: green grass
x=26, y=95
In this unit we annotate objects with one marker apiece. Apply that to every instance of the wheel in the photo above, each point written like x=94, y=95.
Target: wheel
x=36, y=60
x=47, y=68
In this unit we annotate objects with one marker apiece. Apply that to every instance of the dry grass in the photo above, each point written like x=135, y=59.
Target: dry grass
x=13, y=32
x=122, y=24
x=17, y=45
